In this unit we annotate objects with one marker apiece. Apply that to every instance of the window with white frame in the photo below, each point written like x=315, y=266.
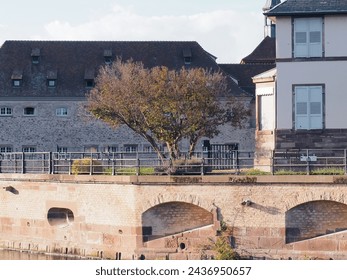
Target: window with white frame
x=112, y=149
x=61, y=149
x=308, y=34
x=6, y=149
x=5, y=111
x=130, y=148
x=309, y=107
x=29, y=149
x=61, y=111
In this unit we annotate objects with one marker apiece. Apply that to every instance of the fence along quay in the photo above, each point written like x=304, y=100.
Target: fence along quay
x=289, y=162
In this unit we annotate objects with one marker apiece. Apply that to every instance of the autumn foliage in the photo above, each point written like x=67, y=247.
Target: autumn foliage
x=162, y=105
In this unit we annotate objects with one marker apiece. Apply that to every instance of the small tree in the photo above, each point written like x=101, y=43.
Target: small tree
x=163, y=105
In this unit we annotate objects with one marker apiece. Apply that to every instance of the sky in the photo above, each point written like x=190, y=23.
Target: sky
x=228, y=29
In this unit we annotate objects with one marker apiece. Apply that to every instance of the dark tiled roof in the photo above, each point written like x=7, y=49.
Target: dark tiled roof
x=309, y=7
x=72, y=62
x=264, y=53
x=243, y=73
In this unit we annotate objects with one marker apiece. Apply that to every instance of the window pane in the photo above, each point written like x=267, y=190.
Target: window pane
x=29, y=111
x=61, y=111
x=300, y=38
x=301, y=108
x=315, y=108
x=315, y=37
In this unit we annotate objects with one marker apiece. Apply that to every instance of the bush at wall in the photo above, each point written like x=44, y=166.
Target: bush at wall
x=83, y=166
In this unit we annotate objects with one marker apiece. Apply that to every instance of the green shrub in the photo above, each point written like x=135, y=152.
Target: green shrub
x=328, y=171
x=82, y=166
x=132, y=171
x=223, y=249
x=289, y=172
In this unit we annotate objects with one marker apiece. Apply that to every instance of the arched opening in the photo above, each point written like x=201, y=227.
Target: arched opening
x=60, y=217
x=173, y=217
x=315, y=218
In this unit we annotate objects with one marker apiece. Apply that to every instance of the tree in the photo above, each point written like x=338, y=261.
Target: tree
x=162, y=105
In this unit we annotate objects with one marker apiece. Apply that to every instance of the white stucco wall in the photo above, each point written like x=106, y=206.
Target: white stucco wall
x=330, y=73
x=335, y=36
x=284, y=37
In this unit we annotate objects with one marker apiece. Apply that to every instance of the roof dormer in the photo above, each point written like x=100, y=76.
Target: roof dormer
x=108, y=56
x=187, y=56
x=35, y=55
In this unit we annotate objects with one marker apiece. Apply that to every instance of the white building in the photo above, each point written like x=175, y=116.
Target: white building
x=307, y=103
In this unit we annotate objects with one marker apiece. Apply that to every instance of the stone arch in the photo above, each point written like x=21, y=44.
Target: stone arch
x=178, y=197
x=174, y=217
x=303, y=196
x=315, y=218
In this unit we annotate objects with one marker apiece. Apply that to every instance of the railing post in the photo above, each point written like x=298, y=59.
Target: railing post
x=23, y=162
x=272, y=162
x=113, y=165
x=91, y=166
x=345, y=161
x=202, y=167
x=308, y=163
x=50, y=163
x=137, y=164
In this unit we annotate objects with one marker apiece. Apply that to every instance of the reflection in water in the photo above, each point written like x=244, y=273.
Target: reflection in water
x=15, y=255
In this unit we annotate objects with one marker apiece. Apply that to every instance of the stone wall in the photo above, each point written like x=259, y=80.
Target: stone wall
x=79, y=132
x=311, y=139
x=109, y=215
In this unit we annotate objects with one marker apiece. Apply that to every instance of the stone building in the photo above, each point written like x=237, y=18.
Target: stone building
x=43, y=86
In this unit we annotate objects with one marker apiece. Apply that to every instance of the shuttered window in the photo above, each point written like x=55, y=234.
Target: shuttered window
x=309, y=107
x=308, y=37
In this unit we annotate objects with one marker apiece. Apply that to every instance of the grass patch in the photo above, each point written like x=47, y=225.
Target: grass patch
x=255, y=172
x=132, y=171
x=289, y=172
x=328, y=171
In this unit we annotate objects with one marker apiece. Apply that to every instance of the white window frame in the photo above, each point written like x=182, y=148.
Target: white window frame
x=62, y=149
x=308, y=107
x=130, y=148
x=308, y=37
x=61, y=111
x=29, y=149
x=5, y=111
x=6, y=149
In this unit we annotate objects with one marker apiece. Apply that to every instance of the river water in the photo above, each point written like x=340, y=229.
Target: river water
x=16, y=255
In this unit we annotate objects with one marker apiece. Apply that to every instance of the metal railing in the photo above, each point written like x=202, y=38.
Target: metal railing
x=120, y=163
x=290, y=161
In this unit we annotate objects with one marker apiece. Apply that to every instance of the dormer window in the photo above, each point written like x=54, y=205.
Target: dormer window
x=52, y=78
x=89, y=83
x=35, y=55
x=35, y=59
x=51, y=83
x=108, y=56
x=89, y=76
x=17, y=77
x=16, y=83
x=187, y=56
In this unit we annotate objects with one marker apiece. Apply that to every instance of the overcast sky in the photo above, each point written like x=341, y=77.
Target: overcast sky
x=228, y=29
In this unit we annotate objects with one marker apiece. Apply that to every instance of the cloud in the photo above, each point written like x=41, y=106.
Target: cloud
x=226, y=34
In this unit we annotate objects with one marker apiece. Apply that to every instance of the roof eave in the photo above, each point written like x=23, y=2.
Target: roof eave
x=304, y=13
